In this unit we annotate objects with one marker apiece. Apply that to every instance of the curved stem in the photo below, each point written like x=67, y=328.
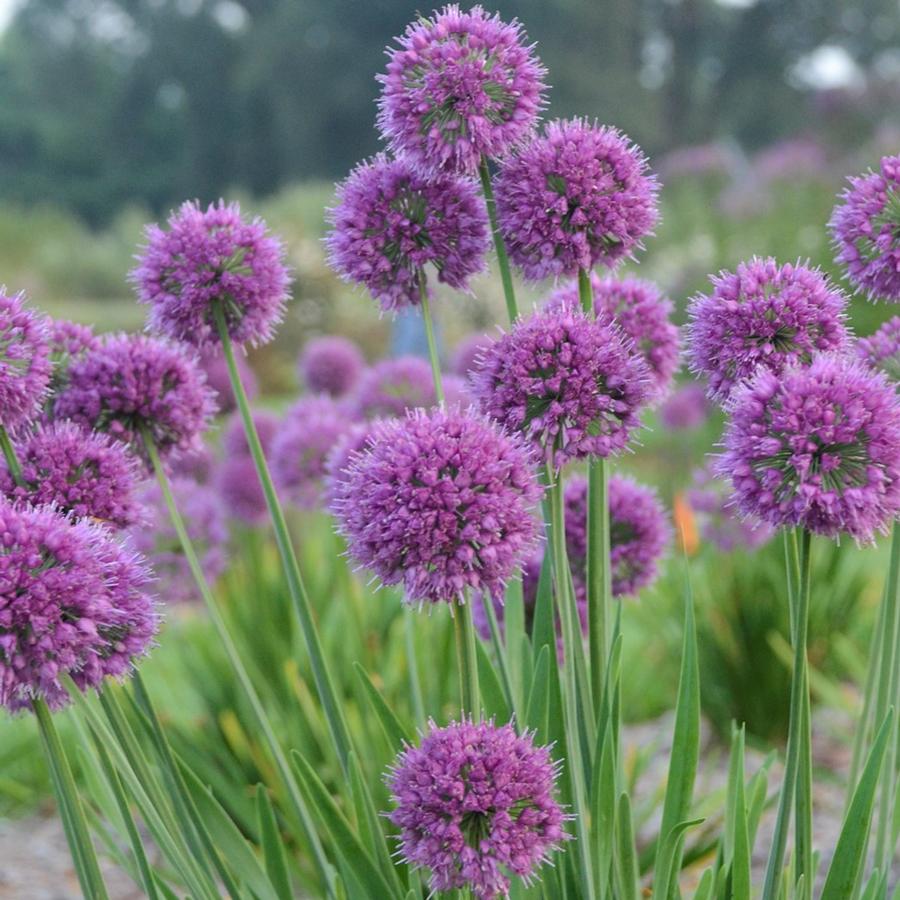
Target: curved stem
x=433, y=355
x=509, y=292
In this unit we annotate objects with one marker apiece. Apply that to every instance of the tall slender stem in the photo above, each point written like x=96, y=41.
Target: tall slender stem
x=467, y=660
x=586, y=292
x=433, y=355
x=9, y=455
x=509, y=292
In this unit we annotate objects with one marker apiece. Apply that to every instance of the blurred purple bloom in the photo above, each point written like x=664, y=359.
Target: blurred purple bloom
x=467, y=354
x=212, y=361
x=331, y=365
x=686, y=408
x=882, y=349
x=799, y=157
x=354, y=440
x=393, y=386
x=239, y=487
x=697, y=159
x=25, y=365
x=234, y=437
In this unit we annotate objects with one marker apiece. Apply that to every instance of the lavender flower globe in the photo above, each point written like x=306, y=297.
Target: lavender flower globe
x=476, y=803
x=391, y=222
x=686, y=408
x=354, y=440
x=25, y=365
x=331, y=365
x=578, y=196
x=80, y=472
x=571, y=384
x=468, y=354
x=212, y=259
x=441, y=502
x=393, y=386
x=212, y=361
x=70, y=339
x=235, y=477
x=133, y=386
x=460, y=87
x=763, y=315
x=85, y=611
x=643, y=313
x=234, y=437
x=309, y=430
x=817, y=447
x=882, y=349
x=866, y=231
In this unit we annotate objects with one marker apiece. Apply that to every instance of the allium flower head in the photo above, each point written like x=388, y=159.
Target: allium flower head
x=571, y=384
x=866, y=231
x=78, y=471
x=393, y=386
x=440, y=502
x=212, y=361
x=882, y=349
x=643, y=313
x=234, y=438
x=239, y=488
x=687, y=407
x=475, y=804
x=764, y=315
x=816, y=447
x=207, y=259
x=311, y=427
x=331, y=365
x=468, y=354
x=132, y=384
x=578, y=196
x=461, y=86
x=390, y=223
x=70, y=339
x=72, y=602
x=25, y=365
x=355, y=439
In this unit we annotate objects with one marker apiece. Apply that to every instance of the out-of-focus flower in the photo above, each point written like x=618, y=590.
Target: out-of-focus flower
x=882, y=349
x=331, y=365
x=801, y=157
x=393, y=386
x=236, y=477
x=25, y=365
x=467, y=354
x=212, y=361
x=697, y=159
x=686, y=408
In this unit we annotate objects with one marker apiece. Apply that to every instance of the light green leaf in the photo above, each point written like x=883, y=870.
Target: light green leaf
x=274, y=854
x=396, y=734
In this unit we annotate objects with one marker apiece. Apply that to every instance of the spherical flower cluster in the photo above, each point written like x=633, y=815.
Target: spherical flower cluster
x=209, y=260
x=572, y=384
x=816, y=447
x=25, y=364
x=468, y=353
x=78, y=471
x=882, y=349
x=72, y=602
x=70, y=339
x=578, y=196
x=461, y=86
x=440, y=502
x=393, y=386
x=764, y=315
x=310, y=429
x=132, y=386
x=641, y=310
x=204, y=519
x=331, y=365
x=236, y=478
x=234, y=437
x=390, y=222
x=212, y=361
x=475, y=804
x=687, y=407
x=866, y=231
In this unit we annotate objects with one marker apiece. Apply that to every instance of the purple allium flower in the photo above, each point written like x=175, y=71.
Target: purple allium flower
x=718, y=519
x=475, y=804
x=787, y=160
x=355, y=439
x=69, y=339
x=468, y=353
x=457, y=391
x=234, y=438
x=25, y=365
x=331, y=365
x=460, y=87
x=641, y=310
x=240, y=490
x=882, y=349
x=390, y=222
x=866, y=231
x=571, y=384
x=72, y=602
x=577, y=196
x=686, y=408
x=209, y=258
x=81, y=472
x=198, y=465
x=697, y=160
x=212, y=361
x=311, y=427
x=440, y=502
x=763, y=315
x=204, y=519
x=393, y=386
x=816, y=447
x=131, y=384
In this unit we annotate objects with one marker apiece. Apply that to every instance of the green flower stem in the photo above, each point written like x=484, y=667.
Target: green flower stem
x=467, y=660
x=412, y=661
x=433, y=355
x=586, y=292
x=798, y=763
x=71, y=812
x=9, y=455
x=509, y=291
x=331, y=706
x=231, y=651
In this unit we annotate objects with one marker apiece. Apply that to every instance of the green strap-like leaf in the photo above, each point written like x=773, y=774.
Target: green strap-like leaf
x=396, y=734
x=274, y=855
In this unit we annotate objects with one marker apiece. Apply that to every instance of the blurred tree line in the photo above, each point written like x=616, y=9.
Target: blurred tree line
x=106, y=102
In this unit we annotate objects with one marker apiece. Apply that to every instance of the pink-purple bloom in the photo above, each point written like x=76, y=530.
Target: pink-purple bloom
x=331, y=365
x=355, y=439
x=25, y=365
x=818, y=447
x=687, y=407
x=763, y=315
x=236, y=477
x=866, y=231
x=393, y=386
x=468, y=354
x=133, y=386
x=72, y=602
x=578, y=196
x=391, y=222
x=208, y=260
x=572, y=384
x=442, y=503
x=212, y=361
x=882, y=349
x=476, y=803
x=68, y=339
x=460, y=87
x=81, y=472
